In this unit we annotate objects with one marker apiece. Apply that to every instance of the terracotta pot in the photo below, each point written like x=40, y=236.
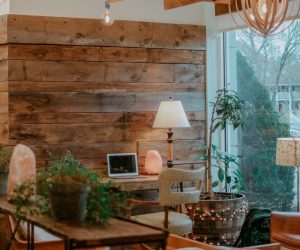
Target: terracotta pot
x=69, y=201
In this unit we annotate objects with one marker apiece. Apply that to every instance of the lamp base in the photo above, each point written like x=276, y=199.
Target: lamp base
x=170, y=164
x=170, y=149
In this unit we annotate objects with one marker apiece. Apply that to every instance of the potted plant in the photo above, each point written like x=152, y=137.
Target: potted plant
x=75, y=193
x=219, y=215
x=5, y=154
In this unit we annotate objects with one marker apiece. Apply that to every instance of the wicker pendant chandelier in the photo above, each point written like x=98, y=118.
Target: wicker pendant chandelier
x=263, y=17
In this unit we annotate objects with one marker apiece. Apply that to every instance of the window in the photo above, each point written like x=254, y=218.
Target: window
x=265, y=73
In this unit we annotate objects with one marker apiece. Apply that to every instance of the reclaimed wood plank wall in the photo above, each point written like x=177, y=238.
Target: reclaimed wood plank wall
x=72, y=83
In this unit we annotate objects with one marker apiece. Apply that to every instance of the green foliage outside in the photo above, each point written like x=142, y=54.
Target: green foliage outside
x=264, y=181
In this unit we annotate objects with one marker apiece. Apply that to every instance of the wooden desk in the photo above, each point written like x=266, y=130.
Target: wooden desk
x=135, y=184
x=116, y=232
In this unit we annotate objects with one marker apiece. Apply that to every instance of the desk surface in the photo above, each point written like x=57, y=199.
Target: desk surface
x=115, y=232
x=134, y=184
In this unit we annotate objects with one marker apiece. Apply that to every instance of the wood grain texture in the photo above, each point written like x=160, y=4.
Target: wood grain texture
x=69, y=83
x=171, y=4
x=3, y=29
x=96, y=133
x=223, y=8
x=100, y=87
x=86, y=117
x=76, y=31
x=91, y=235
x=21, y=70
x=100, y=54
x=99, y=102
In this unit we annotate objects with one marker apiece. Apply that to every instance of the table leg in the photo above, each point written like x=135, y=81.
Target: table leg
x=32, y=236
x=28, y=237
x=68, y=245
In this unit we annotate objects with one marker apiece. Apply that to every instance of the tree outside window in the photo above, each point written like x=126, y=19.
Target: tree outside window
x=268, y=79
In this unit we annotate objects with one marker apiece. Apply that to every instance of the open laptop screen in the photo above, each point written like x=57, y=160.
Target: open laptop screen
x=122, y=164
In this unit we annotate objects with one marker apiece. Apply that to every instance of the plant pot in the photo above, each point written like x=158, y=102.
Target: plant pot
x=3, y=183
x=69, y=201
x=219, y=220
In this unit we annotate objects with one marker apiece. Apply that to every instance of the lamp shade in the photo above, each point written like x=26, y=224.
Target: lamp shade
x=171, y=114
x=288, y=152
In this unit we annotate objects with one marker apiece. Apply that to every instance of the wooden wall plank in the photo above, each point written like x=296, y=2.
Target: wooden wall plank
x=20, y=70
x=4, y=134
x=3, y=29
x=189, y=37
x=101, y=54
x=97, y=133
x=84, y=150
x=3, y=70
x=55, y=118
x=76, y=31
x=100, y=87
x=184, y=150
x=90, y=102
x=4, y=86
x=4, y=118
x=3, y=52
x=4, y=102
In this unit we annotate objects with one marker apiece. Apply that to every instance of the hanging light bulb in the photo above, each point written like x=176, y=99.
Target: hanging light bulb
x=106, y=18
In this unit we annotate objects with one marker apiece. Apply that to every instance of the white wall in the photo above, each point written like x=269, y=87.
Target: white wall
x=4, y=7
x=137, y=10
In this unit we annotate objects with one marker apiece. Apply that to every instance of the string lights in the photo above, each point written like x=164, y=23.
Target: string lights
x=218, y=220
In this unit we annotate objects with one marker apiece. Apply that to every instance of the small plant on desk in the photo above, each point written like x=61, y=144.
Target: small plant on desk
x=64, y=179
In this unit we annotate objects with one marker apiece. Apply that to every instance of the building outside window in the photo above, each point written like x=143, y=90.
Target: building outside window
x=265, y=73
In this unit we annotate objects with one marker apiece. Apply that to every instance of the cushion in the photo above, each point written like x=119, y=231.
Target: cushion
x=179, y=224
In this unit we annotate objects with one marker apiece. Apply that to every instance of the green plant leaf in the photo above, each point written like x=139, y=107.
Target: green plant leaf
x=228, y=179
x=221, y=175
x=215, y=184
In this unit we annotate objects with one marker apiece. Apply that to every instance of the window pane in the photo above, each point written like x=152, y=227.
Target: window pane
x=266, y=75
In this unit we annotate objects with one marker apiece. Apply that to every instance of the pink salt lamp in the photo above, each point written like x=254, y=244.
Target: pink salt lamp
x=21, y=167
x=153, y=162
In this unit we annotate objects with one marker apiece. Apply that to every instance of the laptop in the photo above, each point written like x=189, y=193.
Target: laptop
x=122, y=165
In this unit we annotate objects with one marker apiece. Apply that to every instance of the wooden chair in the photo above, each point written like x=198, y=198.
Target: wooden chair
x=174, y=222
x=177, y=242
x=285, y=229
x=43, y=240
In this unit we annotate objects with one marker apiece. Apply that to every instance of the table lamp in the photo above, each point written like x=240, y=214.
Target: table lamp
x=288, y=154
x=170, y=115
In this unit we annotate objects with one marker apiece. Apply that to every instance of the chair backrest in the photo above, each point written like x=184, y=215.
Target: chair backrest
x=166, y=179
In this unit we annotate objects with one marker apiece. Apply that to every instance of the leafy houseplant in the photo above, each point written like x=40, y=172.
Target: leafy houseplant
x=227, y=109
x=214, y=209
x=5, y=154
x=67, y=178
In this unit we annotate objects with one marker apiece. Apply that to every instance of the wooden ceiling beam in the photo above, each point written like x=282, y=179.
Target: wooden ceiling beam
x=171, y=4
x=223, y=8
x=221, y=5
x=113, y=1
